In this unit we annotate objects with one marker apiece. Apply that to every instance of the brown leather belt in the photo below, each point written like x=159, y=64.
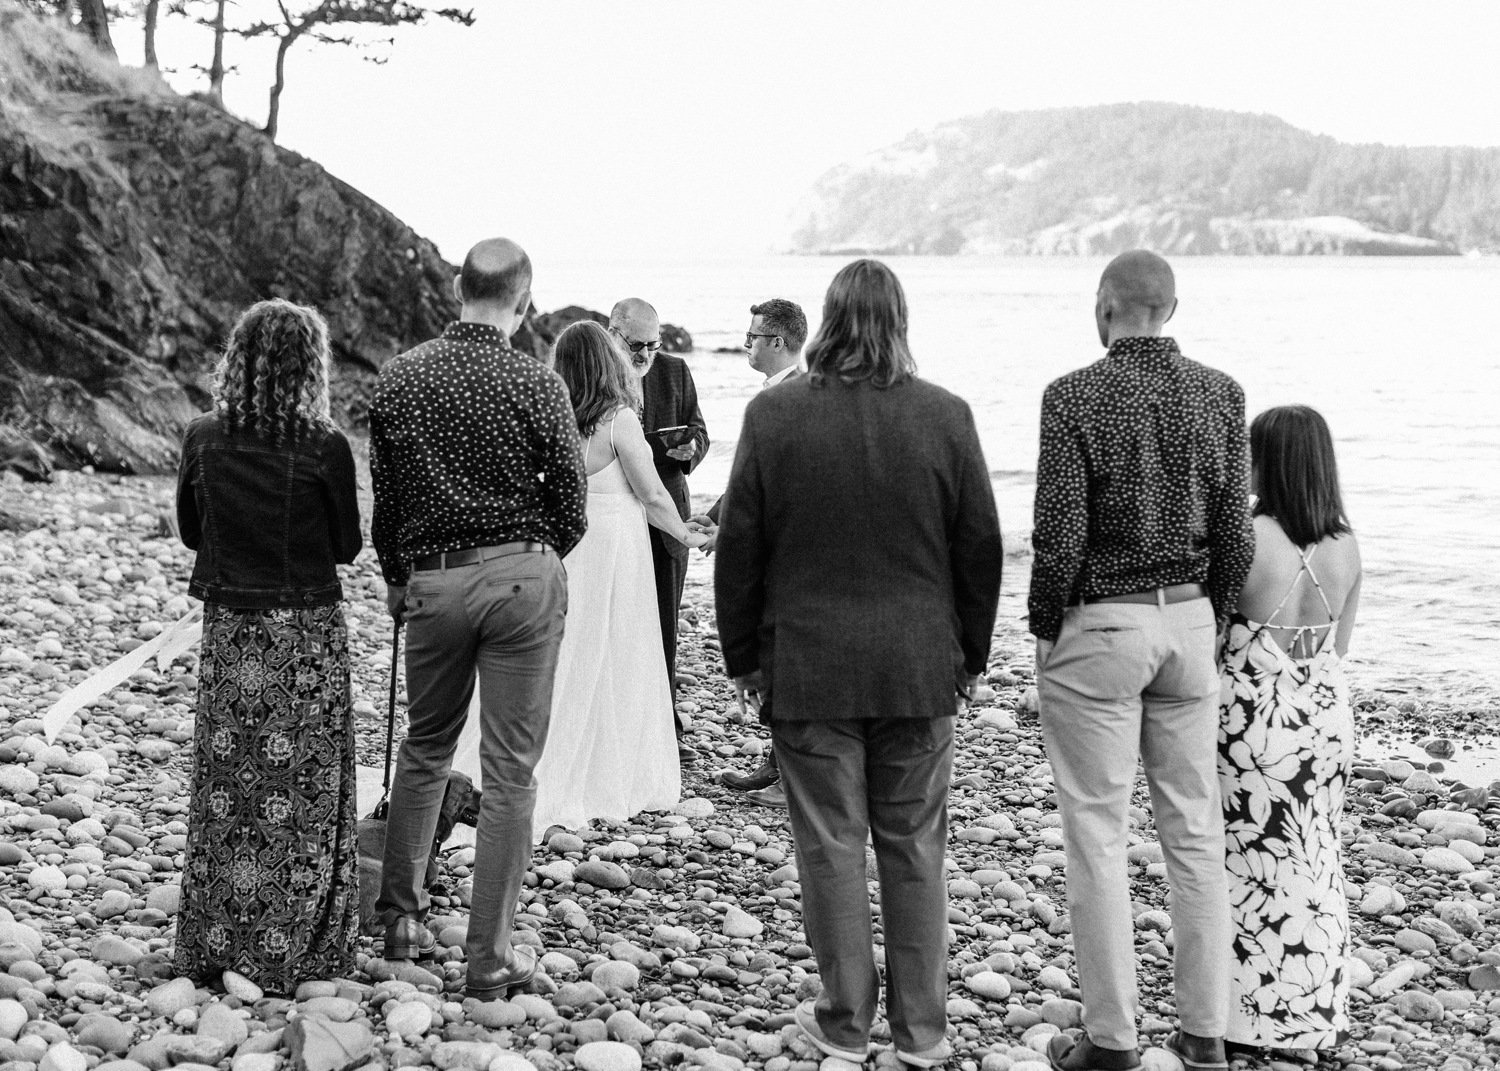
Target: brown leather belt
x=452, y=559
x=1158, y=596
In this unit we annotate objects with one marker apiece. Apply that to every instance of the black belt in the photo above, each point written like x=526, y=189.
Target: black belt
x=452, y=559
x=1158, y=596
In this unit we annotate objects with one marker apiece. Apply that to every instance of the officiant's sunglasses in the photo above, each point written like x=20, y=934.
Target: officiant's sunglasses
x=636, y=347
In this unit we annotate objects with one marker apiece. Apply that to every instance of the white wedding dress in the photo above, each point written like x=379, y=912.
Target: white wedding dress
x=611, y=749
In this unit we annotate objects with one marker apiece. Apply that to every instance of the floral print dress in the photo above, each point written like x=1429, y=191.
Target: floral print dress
x=269, y=885
x=1286, y=745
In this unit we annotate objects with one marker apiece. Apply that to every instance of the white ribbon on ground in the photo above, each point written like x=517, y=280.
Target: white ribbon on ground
x=171, y=642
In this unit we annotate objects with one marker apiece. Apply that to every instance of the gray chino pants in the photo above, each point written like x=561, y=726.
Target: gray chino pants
x=504, y=619
x=885, y=778
x=1128, y=680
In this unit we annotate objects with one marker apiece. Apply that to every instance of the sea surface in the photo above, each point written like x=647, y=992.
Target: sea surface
x=1402, y=356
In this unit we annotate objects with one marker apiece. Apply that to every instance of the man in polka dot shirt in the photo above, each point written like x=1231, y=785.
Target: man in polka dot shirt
x=479, y=492
x=1142, y=538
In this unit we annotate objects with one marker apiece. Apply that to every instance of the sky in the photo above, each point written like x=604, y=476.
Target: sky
x=666, y=127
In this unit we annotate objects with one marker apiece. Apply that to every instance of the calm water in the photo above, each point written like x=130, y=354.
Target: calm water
x=1400, y=356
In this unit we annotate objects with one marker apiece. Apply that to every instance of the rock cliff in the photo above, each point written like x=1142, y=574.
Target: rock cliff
x=136, y=224
x=1177, y=179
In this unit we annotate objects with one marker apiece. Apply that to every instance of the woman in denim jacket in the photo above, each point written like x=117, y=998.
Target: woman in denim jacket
x=266, y=496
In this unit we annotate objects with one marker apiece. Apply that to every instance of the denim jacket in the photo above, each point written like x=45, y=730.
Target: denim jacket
x=268, y=522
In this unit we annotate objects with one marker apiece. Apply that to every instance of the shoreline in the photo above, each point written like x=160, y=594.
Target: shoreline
x=663, y=933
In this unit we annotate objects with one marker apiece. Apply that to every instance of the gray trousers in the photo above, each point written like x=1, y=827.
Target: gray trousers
x=885, y=779
x=1128, y=680
x=504, y=619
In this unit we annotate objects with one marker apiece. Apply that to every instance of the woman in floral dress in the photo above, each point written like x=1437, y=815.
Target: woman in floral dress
x=1286, y=743
x=266, y=496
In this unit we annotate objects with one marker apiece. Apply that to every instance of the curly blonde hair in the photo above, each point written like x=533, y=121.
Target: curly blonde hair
x=273, y=377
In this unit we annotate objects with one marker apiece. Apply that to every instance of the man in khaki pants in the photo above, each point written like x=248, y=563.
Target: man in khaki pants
x=1142, y=538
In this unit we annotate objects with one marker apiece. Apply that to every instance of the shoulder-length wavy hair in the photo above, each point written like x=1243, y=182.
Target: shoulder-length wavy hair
x=599, y=381
x=863, y=334
x=1297, y=477
x=273, y=377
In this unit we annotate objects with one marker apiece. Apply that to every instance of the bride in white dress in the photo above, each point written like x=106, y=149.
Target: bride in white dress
x=611, y=749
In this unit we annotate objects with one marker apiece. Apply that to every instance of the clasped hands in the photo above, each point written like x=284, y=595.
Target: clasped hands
x=703, y=525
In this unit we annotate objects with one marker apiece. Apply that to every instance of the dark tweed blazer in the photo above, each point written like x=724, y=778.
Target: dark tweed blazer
x=671, y=399
x=858, y=559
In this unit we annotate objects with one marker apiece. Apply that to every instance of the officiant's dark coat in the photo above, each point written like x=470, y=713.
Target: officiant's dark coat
x=858, y=559
x=670, y=400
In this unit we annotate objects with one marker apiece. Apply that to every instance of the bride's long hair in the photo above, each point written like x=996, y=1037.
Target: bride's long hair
x=598, y=378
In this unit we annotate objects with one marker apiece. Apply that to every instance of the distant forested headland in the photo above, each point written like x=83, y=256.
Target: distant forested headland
x=1171, y=177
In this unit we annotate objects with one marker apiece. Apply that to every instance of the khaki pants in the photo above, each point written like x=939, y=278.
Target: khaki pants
x=885, y=779
x=504, y=619
x=1127, y=680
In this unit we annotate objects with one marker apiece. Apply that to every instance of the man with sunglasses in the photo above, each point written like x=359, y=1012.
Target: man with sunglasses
x=670, y=400
x=773, y=346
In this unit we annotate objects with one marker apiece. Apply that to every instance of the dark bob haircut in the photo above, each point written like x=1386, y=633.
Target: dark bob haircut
x=863, y=333
x=1297, y=482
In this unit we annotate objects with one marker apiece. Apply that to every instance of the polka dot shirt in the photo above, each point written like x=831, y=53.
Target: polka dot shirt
x=472, y=444
x=1142, y=482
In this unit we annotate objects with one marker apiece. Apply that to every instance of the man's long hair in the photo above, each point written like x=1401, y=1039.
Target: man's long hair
x=863, y=334
x=273, y=377
x=598, y=378
x=1297, y=476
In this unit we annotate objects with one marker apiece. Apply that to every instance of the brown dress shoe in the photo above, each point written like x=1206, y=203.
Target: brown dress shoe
x=496, y=985
x=763, y=776
x=409, y=938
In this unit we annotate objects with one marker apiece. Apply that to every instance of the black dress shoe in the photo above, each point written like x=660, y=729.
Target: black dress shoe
x=687, y=754
x=496, y=985
x=763, y=776
x=1065, y=1054
x=409, y=938
x=1197, y=1053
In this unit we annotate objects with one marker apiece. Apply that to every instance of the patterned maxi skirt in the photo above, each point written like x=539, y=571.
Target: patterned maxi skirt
x=1286, y=744
x=269, y=886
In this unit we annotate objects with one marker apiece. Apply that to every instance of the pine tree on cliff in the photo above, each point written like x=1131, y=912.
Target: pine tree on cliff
x=323, y=22
x=93, y=18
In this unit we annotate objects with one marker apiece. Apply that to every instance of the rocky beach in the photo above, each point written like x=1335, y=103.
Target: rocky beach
x=672, y=940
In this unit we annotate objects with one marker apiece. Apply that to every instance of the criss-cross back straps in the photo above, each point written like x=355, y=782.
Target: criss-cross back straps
x=1302, y=637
